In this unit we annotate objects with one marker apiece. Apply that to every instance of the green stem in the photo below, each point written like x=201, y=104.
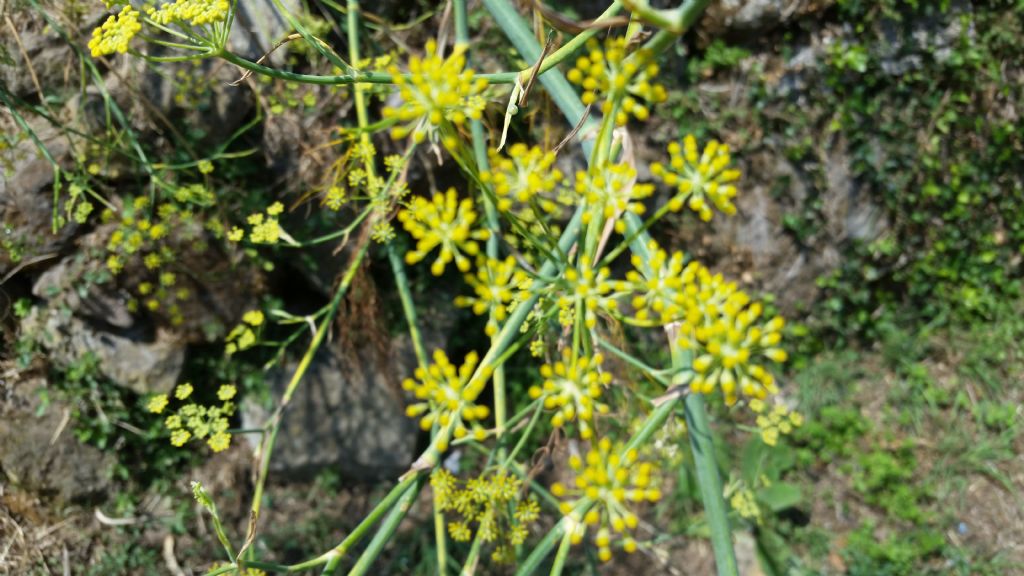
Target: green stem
x=405, y=295
x=562, y=554
x=542, y=548
x=300, y=371
x=493, y=225
x=703, y=448
x=387, y=528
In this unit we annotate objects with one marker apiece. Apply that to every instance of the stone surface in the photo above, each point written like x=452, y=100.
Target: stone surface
x=347, y=415
x=39, y=453
x=141, y=359
x=756, y=15
x=26, y=194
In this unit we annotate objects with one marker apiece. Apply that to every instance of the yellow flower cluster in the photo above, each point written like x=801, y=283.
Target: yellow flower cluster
x=661, y=286
x=527, y=186
x=778, y=421
x=572, y=388
x=610, y=71
x=727, y=338
x=608, y=481
x=590, y=289
x=447, y=397
x=438, y=94
x=244, y=335
x=492, y=503
x=193, y=420
x=495, y=286
x=265, y=228
x=527, y=174
x=699, y=177
x=444, y=221
x=743, y=502
x=612, y=191
x=115, y=33
x=155, y=243
x=191, y=12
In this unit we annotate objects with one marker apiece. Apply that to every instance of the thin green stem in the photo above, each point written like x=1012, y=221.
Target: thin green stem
x=408, y=307
x=300, y=371
x=493, y=224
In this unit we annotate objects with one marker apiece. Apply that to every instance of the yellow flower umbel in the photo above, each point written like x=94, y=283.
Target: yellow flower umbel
x=612, y=73
x=729, y=342
x=447, y=397
x=246, y=334
x=444, y=221
x=589, y=289
x=572, y=388
x=194, y=420
x=266, y=229
x=191, y=12
x=115, y=33
x=610, y=192
x=492, y=503
x=773, y=423
x=699, y=178
x=527, y=186
x=742, y=500
x=494, y=285
x=608, y=483
x=661, y=286
x=438, y=96
x=525, y=175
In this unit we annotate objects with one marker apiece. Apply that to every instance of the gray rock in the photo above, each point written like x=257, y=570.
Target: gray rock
x=26, y=196
x=935, y=37
x=347, y=415
x=258, y=26
x=757, y=15
x=139, y=359
x=38, y=452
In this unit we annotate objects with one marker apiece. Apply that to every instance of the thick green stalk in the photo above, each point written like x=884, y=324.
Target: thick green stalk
x=387, y=528
x=562, y=554
x=543, y=548
x=703, y=448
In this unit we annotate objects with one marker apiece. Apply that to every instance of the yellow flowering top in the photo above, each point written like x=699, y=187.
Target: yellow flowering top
x=660, y=286
x=447, y=397
x=492, y=503
x=191, y=12
x=776, y=422
x=611, y=481
x=195, y=421
x=572, y=388
x=495, y=286
x=610, y=192
x=610, y=72
x=445, y=222
x=525, y=174
x=438, y=93
x=246, y=334
x=730, y=343
x=115, y=33
x=589, y=289
x=699, y=177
